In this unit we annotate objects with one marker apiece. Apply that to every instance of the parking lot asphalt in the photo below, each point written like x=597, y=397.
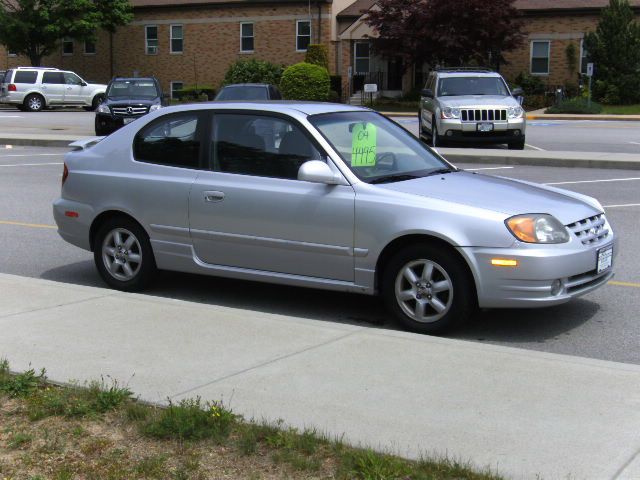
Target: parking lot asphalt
x=602, y=325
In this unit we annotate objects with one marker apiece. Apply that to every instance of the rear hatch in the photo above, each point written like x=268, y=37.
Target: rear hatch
x=3, y=84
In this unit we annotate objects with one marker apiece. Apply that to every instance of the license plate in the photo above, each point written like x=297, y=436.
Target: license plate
x=605, y=258
x=485, y=127
x=127, y=120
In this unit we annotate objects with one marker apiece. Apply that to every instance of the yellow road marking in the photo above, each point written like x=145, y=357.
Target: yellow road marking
x=23, y=224
x=624, y=284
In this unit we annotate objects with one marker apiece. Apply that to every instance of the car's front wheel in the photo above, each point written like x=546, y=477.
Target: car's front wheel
x=123, y=255
x=518, y=145
x=428, y=289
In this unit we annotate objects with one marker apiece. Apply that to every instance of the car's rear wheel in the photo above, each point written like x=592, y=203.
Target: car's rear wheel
x=34, y=103
x=123, y=255
x=97, y=100
x=428, y=289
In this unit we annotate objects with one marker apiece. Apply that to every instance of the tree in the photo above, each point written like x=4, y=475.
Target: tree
x=35, y=27
x=451, y=33
x=614, y=48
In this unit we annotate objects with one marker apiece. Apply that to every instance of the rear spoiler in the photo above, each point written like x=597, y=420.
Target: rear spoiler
x=85, y=143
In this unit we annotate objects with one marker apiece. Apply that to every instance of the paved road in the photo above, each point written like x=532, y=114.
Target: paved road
x=572, y=135
x=602, y=325
x=580, y=136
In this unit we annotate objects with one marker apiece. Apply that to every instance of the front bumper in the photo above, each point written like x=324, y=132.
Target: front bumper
x=455, y=130
x=530, y=283
x=108, y=123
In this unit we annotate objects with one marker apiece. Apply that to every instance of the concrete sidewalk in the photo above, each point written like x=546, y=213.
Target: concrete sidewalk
x=525, y=413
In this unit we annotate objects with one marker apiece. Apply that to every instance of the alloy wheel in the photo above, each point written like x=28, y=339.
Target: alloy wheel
x=121, y=254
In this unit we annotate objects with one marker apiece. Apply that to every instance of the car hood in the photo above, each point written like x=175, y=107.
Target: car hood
x=478, y=101
x=498, y=194
x=97, y=85
x=131, y=101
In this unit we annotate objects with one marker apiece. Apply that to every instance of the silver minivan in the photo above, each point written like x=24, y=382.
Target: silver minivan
x=35, y=88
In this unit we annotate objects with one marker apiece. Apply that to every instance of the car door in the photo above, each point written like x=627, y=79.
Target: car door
x=75, y=91
x=53, y=87
x=250, y=210
x=428, y=104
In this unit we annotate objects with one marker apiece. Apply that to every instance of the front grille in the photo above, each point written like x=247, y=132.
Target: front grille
x=125, y=110
x=482, y=115
x=590, y=230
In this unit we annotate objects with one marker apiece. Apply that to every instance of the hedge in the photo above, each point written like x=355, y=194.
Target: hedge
x=576, y=105
x=305, y=81
x=195, y=93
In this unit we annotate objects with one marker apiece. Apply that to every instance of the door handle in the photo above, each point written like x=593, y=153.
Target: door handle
x=211, y=197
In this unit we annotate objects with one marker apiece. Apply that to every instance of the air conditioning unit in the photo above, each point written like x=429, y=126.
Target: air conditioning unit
x=152, y=50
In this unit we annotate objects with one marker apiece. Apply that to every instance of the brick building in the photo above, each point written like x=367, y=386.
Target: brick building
x=184, y=42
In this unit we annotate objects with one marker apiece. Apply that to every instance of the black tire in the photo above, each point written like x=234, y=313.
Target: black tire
x=100, y=132
x=97, y=100
x=436, y=139
x=142, y=271
x=21, y=107
x=459, y=299
x=519, y=145
x=34, y=103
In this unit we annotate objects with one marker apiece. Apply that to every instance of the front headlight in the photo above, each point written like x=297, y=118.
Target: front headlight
x=448, y=112
x=515, y=112
x=155, y=107
x=537, y=228
x=103, y=109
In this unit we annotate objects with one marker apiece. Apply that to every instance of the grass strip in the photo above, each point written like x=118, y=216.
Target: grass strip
x=100, y=431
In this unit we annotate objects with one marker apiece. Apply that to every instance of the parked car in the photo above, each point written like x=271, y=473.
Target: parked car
x=471, y=106
x=249, y=91
x=35, y=88
x=344, y=200
x=126, y=100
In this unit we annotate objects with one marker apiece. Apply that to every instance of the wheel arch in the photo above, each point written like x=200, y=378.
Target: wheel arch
x=407, y=240
x=36, y=92
x=104, y=217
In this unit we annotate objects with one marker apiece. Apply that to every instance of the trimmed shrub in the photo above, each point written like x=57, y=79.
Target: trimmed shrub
x=196, y=93
x=253, y=71
x=576, y=105
x=305, y=81
x=531, y=84
x=317, y=54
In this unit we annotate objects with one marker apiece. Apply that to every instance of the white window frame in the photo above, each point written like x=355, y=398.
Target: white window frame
x=298, y=22
x=171, y=39
x=355, y=57
x=548, y=42
x=253, y=35
x=84, y=48
x=68, y=40
x=146, y=39
x=171, y=87
x=583, y=67
x=11, y=54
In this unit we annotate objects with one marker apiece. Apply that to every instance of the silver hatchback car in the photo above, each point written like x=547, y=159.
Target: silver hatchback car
x=325, y=196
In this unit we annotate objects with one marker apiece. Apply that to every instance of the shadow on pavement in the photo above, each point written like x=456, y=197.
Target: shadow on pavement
x=504, y=326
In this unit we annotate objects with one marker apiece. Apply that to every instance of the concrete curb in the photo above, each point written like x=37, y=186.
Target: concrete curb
x=598, y=118
x=37, y=142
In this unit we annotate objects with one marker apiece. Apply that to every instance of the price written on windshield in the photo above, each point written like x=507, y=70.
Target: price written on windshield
x=363, y=145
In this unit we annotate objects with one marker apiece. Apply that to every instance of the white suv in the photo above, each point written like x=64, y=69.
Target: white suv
x=35, y=88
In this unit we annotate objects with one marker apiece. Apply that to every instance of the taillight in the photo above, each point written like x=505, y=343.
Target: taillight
x=12, y=88
x=65, y=173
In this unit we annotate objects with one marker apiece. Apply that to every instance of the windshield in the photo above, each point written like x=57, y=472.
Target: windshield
x=244, y=92
x=133, y=88
x=376, y=149
x=456, y=86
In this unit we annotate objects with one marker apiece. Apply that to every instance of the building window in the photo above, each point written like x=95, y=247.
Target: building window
x=584, y=58
x=540, y=57
x=303, y=35
x=176, y=39
x=151, y=39
x=89, y=47
x=361, y=57
x=11, y=54
x=246, y=37
x=67, y=46
x=175, y=88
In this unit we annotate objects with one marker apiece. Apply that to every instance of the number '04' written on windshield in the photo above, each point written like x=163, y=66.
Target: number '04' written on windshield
x=363, y=145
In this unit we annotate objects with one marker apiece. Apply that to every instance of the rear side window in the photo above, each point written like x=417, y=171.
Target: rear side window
x=25, y=77
x=172, y=140
x=53, y=78
x=7, y=76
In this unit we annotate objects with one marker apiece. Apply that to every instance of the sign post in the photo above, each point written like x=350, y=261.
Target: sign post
x=370, y=88
x=590, y=75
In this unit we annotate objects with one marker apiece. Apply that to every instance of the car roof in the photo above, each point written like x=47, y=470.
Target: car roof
x=233, y=85
x=290, y=107
x=469, y=73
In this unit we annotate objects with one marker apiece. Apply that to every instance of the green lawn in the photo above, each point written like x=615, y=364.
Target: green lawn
x=621, y=109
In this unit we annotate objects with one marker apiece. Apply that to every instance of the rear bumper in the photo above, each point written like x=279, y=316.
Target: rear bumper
x=530, y=284
x=13, y=98
x=74, y=230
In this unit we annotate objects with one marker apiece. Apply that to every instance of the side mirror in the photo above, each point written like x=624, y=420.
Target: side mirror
x=317, y=171
x=517, y=92
x=83, y=83
x=427, y=92
x=165, y=99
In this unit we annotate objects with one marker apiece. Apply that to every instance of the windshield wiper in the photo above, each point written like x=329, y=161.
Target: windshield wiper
x=440, y=171
x=398, y=177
